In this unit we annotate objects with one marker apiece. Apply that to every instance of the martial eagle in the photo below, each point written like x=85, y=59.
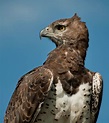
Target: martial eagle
x=62, y=90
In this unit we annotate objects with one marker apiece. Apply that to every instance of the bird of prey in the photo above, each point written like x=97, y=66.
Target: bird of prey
x=62, y=90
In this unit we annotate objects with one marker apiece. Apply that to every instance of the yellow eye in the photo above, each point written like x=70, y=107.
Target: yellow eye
x=60, y=27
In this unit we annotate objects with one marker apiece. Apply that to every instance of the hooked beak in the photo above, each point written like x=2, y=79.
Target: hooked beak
x=49, y=33
x=46, y=33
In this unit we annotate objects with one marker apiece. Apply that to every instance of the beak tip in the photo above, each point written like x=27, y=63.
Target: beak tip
x=41, y=34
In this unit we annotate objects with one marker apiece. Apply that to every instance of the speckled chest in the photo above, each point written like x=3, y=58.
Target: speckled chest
x=60, y=107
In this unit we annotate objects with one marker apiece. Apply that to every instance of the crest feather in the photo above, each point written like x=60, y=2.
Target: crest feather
x=75, y=17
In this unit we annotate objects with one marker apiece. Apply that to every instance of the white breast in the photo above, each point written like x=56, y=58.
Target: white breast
x=60, y=107
x=76, y=107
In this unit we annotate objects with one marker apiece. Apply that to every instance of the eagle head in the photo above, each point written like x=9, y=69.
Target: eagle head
x=66, y=31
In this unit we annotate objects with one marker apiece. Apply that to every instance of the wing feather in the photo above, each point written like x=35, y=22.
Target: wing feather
x=28, y=96
x=97, y=89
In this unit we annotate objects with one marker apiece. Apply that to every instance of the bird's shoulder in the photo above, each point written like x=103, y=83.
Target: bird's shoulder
x=29, y=95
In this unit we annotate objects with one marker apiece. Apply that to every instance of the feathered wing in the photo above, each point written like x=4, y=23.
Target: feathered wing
x=97, y=88
x=28, y=96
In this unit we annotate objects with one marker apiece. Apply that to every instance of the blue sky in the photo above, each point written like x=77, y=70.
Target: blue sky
x=21, y=49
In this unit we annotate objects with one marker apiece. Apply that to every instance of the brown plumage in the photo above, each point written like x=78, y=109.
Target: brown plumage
x=62, y=90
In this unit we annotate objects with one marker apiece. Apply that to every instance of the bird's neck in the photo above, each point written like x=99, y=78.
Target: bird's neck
x=80, y=46
x=71, y=55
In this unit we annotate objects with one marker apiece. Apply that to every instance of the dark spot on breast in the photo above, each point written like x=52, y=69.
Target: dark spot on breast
x=84, y=89
x=47, y=104
x=68, y=115
x=39, y=119
x=55, y=94
x=54, y=85
x=88, y=95
x=52, y=101
x=84, y=106
x=52, y=112
x=88, y=109
x=44, y=112
x=81, y=117
x=56, y=119
x=75, y=112
x=87, y=101
x=89, y=90
x=56, y=108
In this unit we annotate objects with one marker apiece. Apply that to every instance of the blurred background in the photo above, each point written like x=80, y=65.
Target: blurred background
x=21, y=49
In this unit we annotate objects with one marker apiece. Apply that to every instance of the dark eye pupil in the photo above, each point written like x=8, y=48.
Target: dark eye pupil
x=60, y=27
